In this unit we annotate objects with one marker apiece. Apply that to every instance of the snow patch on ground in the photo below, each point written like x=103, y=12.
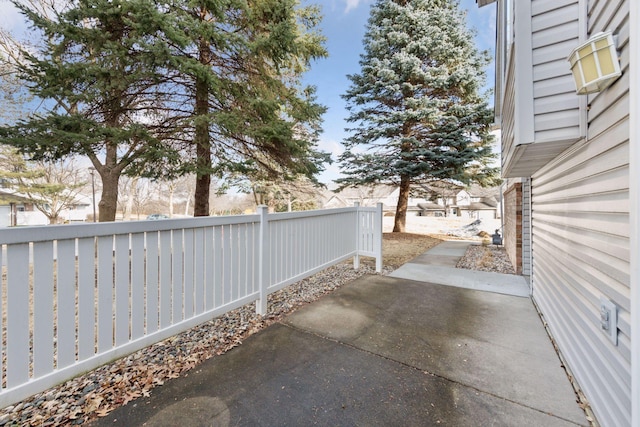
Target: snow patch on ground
x=455, y=226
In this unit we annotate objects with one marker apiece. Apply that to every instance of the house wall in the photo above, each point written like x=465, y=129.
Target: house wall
x=5, y=216
x=580, y=226
x=34, y=217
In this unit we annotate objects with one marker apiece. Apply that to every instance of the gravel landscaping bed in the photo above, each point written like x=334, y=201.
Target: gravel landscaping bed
x=486, y=258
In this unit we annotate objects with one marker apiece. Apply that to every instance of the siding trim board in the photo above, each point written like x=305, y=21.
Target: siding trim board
x=524, y=131
x=634, y=196
x=526, y=227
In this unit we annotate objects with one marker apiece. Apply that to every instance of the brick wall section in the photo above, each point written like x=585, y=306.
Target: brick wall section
x=513, y=225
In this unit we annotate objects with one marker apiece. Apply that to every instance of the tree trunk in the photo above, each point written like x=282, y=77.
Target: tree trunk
x=109, y=200
x=201, y=139
x=403, y=201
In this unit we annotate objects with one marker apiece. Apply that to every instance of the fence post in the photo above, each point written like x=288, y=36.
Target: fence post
x=263, y=261
x=377, y=237
x=356, y=258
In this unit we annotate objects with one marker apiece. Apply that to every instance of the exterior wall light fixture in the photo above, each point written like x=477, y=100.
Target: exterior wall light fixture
x=595, y=64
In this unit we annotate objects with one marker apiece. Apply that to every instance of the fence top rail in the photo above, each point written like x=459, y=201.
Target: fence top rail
x=281, y=216
x=73, y=231
x=87, y=230
x=368, y=209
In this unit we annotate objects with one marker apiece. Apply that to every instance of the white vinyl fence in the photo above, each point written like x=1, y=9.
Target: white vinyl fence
x=77, y=296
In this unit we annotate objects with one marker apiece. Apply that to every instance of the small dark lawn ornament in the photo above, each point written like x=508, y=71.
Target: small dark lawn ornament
x=497, y=238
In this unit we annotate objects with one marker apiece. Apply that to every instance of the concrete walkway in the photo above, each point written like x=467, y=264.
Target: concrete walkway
x=383, y=351
x=438, y=266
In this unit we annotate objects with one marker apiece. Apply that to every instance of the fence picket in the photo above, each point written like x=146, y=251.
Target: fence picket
x=66, y=304
x=218, y=278
x=199, y=257
x=208, y=261
x=138, y=260
x=86, y=297
x=43, y=302
x=165, y=279
x=226, y=264
x=177, y=276
x=105, y=293
x=152, y=322
x=188, y=290
x=122, y=268
x=18, y=357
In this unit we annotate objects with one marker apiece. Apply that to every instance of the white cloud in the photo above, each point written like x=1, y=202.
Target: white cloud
x=353, y=4
x=332, y=146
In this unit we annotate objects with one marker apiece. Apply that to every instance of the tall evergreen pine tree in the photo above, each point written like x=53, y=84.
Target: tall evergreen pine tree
x=240, y=72
x=97, y=71
x=416, y=103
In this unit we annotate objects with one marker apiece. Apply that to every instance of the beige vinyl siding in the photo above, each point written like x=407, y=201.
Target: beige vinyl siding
x=555, y=32
x=580, y=227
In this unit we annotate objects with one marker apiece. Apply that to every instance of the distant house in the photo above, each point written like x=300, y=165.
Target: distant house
x=432, y=209
x=472, y=202
x=450, y=200
x=81, y=211
x=478, y=203
x=572, y=194
x=18, y=210
x=365, y=196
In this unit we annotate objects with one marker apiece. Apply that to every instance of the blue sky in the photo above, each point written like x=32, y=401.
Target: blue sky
x=344, y=25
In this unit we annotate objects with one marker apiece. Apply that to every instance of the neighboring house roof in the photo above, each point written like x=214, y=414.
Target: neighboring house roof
x=9, y=197
x=475, y=190
x=478, y=206
x=436, y=187
x=367, y=195
x=375, y=192
x=430, y=206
